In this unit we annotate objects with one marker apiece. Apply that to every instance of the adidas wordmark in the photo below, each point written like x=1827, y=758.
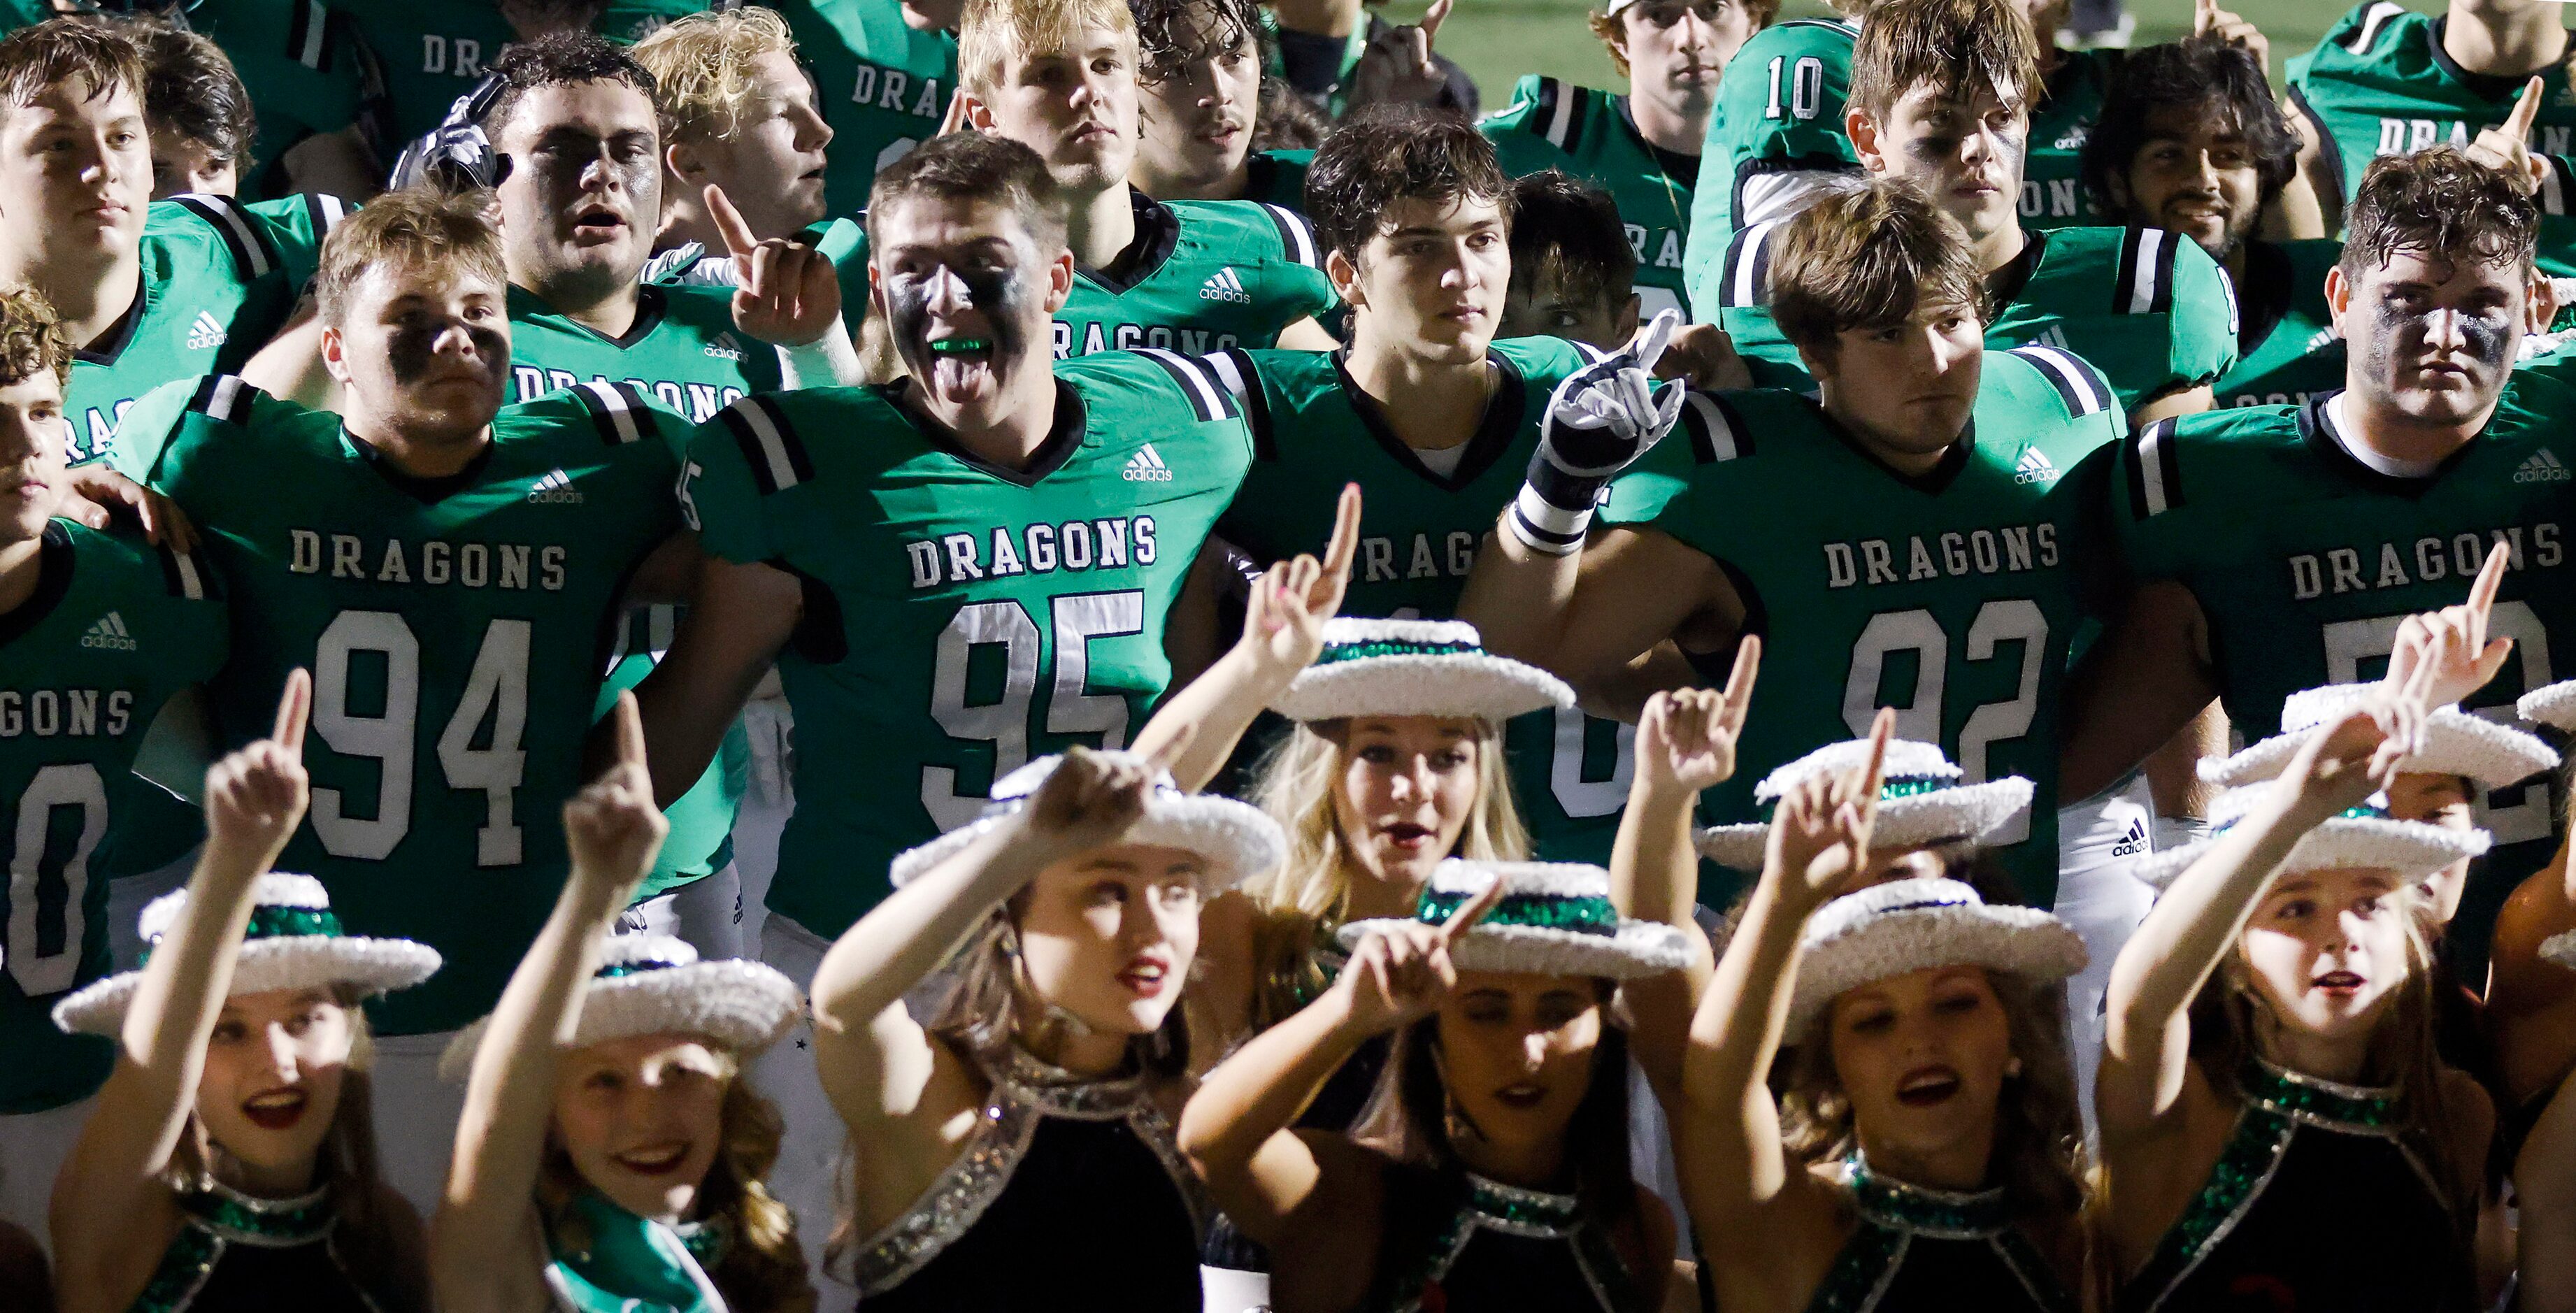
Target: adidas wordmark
x=555, y=489
x=2034, y=467
x=2543, y=467
x=205, y=332
x=1225, y=285
x=1146, y=466
x=109, y=633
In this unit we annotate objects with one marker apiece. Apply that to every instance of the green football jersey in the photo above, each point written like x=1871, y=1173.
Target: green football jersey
x=2149, y=309
x=114, y=627
x=456, y=630
x=421, y=57
x=2380, y=83
x=884, y=86
x=701, y=839
x=1200, y=276
x=2287, y=350
x=1277, y=177
x=219, y=278
x=1313, y=432
x=1779, y=111
x=960, y=618
x=2052, y=166
x=299, y=63
x=682, y=351
x=2304, y=561
x=1950, y=597
x=1587, y=133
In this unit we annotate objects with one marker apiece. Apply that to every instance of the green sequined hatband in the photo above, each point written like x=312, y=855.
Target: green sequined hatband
x=1589, y=915
x=1393, y=647
x=613, y=970
x=273, y=921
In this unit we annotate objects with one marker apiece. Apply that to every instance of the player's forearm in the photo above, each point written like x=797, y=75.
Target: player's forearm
x=1517, y=598
x=335, y=164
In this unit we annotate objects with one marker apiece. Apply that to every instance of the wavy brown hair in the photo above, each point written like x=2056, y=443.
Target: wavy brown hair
x=763, y=1270
x=1308, y=895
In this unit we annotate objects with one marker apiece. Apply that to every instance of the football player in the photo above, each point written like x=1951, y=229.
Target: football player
x=1199, y=102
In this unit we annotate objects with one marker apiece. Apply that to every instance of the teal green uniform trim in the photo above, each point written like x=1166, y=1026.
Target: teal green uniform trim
x=1779, y=111
x=608, y=1260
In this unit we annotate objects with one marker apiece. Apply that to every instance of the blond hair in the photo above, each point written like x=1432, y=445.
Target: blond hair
x=415, y=228
x=1308, y=895
x=992, y=34
x=702, y=68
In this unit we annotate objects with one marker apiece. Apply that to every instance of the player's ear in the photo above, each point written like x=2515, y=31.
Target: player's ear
x=335, y=353
x=2540, y=303
x=1059, y=280
x=682, y=163
x=1863, y=131
x=1345, y=276
x=2338, y=298
x=977, y=114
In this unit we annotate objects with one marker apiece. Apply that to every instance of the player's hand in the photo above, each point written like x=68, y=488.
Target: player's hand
x=785, y=292
x=1607, y=414
x=1283, y=624
x=1703, y=358
x=2451, y=645
x=2507, y=145
x=1686, y=739
x=1399, y=974
x=954, y=120
x=98, y=495
x=256, y=797
x=1092, y=798
x=1821, y=829
x=612, y=827
x=2208, y=19
x=1396, y=67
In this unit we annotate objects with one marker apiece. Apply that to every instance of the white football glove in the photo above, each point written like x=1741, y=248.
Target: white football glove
x=1599, y=421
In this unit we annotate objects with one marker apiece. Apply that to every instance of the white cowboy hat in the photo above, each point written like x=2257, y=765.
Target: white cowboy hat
x=1903, y=926
x=294, y=942
x=2456, y=743
x=1238, y=840
x=1415, y=668
x=2553, y=705
x=2364, y=838
x=1920, y=801
x=1555, y=919
x=657, y=985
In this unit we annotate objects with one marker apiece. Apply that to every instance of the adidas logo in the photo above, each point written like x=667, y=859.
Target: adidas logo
x=2054, y=335
x=725, y=347
x=109, y=633
x=2543, y=467
x=2034, y=467
x=1147, y=466
x=206, y=332
x=555, y=489
x=1225, y=285
x=2133, y=843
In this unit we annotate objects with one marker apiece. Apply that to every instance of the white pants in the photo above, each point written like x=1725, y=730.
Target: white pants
x=416, y=1115
x=2099, y=842
x=757, y=825
x=32, y=1149
x=706, y=913
x=807, y=1176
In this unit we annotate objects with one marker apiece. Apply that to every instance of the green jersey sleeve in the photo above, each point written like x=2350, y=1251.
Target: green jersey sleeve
x=1780, y=111
x=734, y=461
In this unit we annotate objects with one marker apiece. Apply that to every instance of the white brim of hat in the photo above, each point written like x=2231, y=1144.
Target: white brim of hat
x=1237, y=840
x=1483, y=686
x=1962, y=812
x=1639, y=948
x=2553, y=705
x=2411, y=849
x=2023, y=940
x=744, y=1006
x=369, y=966
x=2455, y=743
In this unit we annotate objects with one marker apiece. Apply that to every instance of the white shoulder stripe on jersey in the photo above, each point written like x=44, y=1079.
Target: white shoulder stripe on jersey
x=225, y=397
x=1721, y=435
x=2151, y=465
x=1562, y=121
x=226, y=213
x=613, y=404
x=2142, y=279
x=1206, y=396
x=2372, y=24
x=1744, y=282
x=773, y=446
x=1298, y=234
x=333, y=210
x=2553, y=185
x=314, y=22
x=2074, y=378
x=191, y=585
x=1229, y=372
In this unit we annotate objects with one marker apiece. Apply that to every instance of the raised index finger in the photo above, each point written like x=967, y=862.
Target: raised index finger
x=1873, y=772
x=2482, y=594
x=1470, y=912
x=2526, y=109
x=630, y=731
x=738, y=239
x=294, y=707
x=1739, y=681
x=1432, y=18
x=1345, y=543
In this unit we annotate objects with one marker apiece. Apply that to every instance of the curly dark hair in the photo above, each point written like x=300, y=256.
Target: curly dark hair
x=1394, y=153
x=1568, y=231
x=2443, y=204
x=1170, y=33
x=31, y=338
x=560, y=59
x=2209, y=79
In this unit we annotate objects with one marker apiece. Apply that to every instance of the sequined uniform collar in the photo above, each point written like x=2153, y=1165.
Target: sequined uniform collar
x=220, y=1217
x=1896, y=1215
x=1490, y=1205
x=1025, y=1092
